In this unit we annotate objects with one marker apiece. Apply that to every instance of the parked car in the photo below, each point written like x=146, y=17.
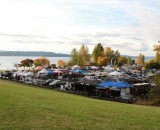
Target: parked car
x=128, y=98
x=56, y=83
x=6, y=74
x=49, y=81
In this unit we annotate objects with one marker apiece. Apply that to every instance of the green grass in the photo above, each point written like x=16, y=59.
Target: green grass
x=29, y=107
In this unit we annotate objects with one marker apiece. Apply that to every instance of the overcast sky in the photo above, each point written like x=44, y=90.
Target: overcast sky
x=130, y=26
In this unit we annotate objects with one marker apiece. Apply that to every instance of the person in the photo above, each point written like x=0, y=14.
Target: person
x=107, y=91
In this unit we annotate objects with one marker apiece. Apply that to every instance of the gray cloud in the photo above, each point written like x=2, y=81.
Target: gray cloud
x=23, y=36
x=136, y=38
x=32, y=41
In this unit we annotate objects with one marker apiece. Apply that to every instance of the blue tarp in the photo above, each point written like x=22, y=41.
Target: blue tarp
x=112, y=84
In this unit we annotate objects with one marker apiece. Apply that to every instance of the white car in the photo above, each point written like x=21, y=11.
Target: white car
x=54, y=82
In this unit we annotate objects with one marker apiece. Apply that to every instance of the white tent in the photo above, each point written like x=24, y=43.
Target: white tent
x=115, y=73
x=42, y=71
x=20, y=73
x=108, y=68
x=29, y=74
x=95, y=67
x=57, y=71
x=75, y=67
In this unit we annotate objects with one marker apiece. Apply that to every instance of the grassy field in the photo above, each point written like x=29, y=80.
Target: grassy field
x=29, y=107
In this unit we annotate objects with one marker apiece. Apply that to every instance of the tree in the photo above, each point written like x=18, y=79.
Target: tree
x=61, y=63
x=157, y=57
x=122, y=60
x=111, y=55
x=102, y=61
x=74, y=57
x=53, y=65
x=154, y=95
x=116, y=56
x=16, y=65
x=98, y=51
x=152, y=65
x=108, y=52
x=87, y=55
x=140, y=59
x=42, y=61
x=157, y=47
x=27, y=63
x=129, y=61
x=83, y=56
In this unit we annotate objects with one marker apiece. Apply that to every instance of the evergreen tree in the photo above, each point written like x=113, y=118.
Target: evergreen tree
x=129, y=61
x=98, y=51
x=87, y=55
x=74, y=57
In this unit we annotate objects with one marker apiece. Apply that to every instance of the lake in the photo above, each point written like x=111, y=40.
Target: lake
x=7, y=62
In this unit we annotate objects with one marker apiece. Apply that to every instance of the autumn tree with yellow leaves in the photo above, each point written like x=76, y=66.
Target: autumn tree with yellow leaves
x=42, y=61
x=83, y=56
x=61, y=63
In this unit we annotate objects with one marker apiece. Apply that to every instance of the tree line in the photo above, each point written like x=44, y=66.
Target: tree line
x=100, y=56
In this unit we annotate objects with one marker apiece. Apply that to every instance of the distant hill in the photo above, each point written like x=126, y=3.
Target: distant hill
x=32, y=53
x=49, y=54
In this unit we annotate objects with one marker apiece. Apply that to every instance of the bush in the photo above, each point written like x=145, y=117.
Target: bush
x=154, y=95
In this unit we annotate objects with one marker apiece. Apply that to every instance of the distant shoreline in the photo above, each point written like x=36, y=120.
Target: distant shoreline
x=48, y=54
x=32, y=53
x=32, y=56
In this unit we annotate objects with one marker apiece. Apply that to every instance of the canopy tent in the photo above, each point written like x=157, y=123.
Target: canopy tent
x=57, y=71
x=44, y=71
x=108, y=68
x=29, y=74
x=112, y=84
x=78, y=71
x=49, y=72
x=20, y=73
x=94, y=67
x=115, y=73
x=75, y=67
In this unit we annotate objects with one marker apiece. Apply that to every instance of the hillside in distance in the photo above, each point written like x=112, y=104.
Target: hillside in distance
x=32, y=53
x=50, y=54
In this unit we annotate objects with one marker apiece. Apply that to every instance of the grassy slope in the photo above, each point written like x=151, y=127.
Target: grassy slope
x=28, y=107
